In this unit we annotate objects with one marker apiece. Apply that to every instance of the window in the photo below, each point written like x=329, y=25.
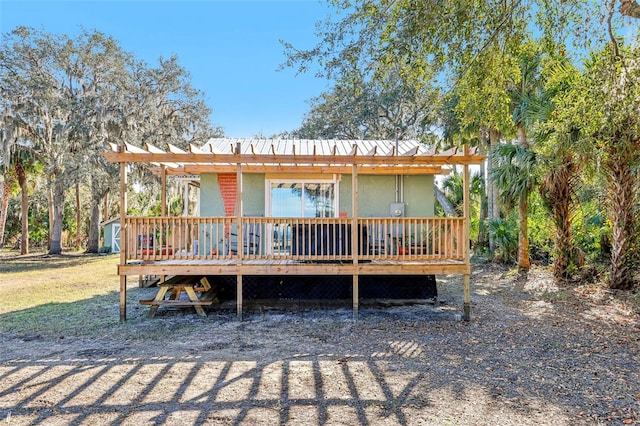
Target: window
x=302, y=199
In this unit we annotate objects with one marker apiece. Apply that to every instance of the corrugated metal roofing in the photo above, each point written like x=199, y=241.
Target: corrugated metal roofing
x=313, y=146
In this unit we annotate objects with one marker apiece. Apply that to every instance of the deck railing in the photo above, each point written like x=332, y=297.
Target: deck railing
x=300, y=239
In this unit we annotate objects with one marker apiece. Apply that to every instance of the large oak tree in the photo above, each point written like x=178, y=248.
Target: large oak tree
x=69, y=96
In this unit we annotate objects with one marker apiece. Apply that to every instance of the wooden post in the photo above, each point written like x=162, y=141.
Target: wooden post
x=163, y=194
x=163, y=201
x=239, y=295
x=240, y=236
x=465, y=236
x=185, y=207
x=123, y=240
x=354, y=237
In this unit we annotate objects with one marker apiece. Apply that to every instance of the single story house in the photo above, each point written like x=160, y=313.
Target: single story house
x=299, y=207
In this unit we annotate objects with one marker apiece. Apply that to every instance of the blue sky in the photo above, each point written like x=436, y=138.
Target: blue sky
x=230, y=48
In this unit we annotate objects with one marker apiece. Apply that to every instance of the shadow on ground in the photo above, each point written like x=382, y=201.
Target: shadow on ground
x=398, y=365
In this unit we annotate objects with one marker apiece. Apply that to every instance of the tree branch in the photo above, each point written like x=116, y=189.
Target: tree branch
x=630, y=8
x=614, y=42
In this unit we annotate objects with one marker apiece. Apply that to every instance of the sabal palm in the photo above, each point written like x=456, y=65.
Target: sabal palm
x=527, y=99
x=454, y=188
x=515, y=173
x=561, y=166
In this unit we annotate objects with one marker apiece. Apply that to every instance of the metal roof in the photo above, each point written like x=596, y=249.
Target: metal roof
x=315, y=146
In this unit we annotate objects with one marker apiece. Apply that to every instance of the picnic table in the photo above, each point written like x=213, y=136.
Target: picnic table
x=193, y=286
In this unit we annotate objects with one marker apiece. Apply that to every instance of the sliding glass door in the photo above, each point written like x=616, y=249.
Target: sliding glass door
x=298, y=199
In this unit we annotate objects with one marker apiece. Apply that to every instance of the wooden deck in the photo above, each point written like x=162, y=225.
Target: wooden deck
x=293, y=267
x=271, y=246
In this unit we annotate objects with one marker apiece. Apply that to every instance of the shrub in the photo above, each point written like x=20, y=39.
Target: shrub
x=505, y=236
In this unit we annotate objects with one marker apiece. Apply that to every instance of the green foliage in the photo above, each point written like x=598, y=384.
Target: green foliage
x=514, y=172
x=602, y=108
x=12, y=226
x=454, y=190
x=176, y=206
x=483, y=91
x=540, y=230
x=505, y=234
x=592, y=228
x=63, y=97
x=372, y=110
x=39, y=236
x=503, y=67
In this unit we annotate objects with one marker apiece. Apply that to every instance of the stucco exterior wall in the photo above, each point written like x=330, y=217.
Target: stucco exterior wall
x=210, y=197
x=375, y=195
x=253, y=191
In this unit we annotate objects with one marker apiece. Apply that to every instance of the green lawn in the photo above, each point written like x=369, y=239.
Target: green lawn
x=74, y=295
x=28, y=282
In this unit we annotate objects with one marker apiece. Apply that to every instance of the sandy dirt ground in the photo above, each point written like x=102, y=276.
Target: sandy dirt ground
x=533, y=354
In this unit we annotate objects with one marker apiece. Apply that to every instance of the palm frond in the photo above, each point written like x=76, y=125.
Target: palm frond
x=514, y=171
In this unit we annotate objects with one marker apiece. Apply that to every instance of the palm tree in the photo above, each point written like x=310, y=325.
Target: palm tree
x=515, y=172
x=560, y=154
x=8, y=182
x=558, y=189
x=525, y=95
x=453, y=188
x=21, y=163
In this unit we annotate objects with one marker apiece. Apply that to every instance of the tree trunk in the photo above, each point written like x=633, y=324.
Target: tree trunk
x=524, y=261
x=55, y=246
x=522, y=137
x=444, y=202
x=6, y=194
x=558, y=194
x=78, y=218
x=483, y=237
x=493, y=209
x=50, y=205
x=93, y=240
x=622, y=186
x=105, y=208
x=24, y=207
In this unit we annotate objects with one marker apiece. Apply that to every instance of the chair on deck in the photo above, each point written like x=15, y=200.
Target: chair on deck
x=379, y=240
x=251, y=238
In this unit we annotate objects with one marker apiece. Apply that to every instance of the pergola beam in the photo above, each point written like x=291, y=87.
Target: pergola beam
x=282, y=168
x=247, y=159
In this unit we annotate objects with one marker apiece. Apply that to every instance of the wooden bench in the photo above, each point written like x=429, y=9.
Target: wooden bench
x=174, y=286
x=176, y=302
